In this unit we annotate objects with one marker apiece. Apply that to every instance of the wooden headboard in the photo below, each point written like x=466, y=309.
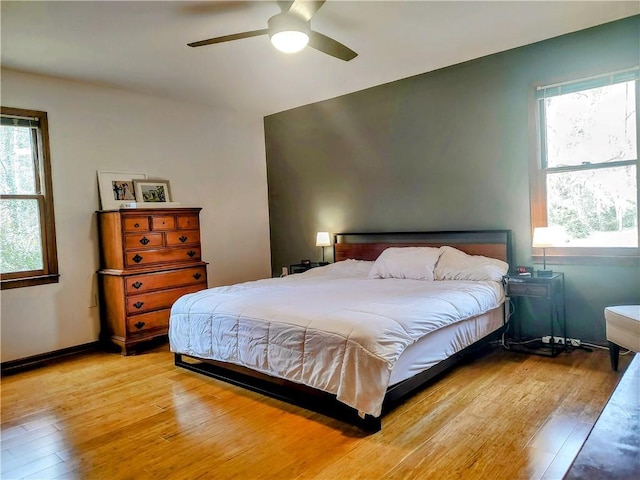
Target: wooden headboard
x=367, y=246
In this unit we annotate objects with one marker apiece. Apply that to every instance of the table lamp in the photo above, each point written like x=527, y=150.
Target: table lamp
x=544, y=237
x=323, y=240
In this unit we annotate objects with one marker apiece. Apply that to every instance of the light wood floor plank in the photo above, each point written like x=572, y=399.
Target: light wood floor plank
x=102, y=416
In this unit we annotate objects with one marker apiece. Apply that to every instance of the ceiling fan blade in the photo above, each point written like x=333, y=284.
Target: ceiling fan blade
x=331, y=47
x=228, y=38
x=284, y=5
x=213, y=8
x=305, y=8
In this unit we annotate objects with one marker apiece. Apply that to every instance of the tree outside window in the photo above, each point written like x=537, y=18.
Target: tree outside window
x=587, y=177
x=27, y=239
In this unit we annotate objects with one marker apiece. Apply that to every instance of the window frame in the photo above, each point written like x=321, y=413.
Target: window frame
x=538, y=189
x=42, y=166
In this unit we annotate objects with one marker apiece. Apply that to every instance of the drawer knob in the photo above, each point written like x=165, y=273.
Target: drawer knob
x=137, y=225
x=138, y=305
x=183, y=239
x=137, y=258
x=191, y=253
x=197, y=276
x=137, y=285
x=144, y=240
x=139, y=325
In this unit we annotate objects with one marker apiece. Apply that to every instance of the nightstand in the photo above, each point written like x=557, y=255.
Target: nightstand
x=550, y=292
x=303, y=267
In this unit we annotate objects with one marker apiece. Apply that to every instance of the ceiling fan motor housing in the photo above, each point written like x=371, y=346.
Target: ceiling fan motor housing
x=286, y=22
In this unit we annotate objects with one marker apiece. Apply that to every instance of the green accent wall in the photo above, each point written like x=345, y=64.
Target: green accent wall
x=445, y=150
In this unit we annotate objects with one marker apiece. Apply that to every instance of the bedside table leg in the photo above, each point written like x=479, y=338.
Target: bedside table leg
x=552, y=319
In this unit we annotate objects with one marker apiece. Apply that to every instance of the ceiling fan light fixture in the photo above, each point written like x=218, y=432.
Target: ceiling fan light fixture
x=290, y=41
x=288, y=33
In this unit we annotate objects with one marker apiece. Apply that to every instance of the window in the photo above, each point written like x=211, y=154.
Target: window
x=27, y=231
x=585, y=181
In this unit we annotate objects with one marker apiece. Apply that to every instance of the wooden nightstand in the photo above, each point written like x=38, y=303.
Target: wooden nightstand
x=549, y=290
x=303, y=267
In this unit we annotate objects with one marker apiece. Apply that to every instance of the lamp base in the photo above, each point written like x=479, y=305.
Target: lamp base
x=545, y=273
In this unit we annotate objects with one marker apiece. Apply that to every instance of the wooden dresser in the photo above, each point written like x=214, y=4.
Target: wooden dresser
x=148, y=259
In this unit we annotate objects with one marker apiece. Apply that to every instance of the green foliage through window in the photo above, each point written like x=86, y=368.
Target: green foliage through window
x=590, y=159
x=20, y=242
x=27, y=233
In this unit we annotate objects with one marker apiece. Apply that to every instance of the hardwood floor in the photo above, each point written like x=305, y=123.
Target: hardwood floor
x=103, y=416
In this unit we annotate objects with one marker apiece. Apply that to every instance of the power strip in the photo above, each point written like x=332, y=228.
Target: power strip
x=574, y=342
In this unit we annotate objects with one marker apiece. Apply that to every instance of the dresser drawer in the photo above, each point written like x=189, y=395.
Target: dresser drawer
x=183, y=237
x=172, y=278
x=527, y=290
x=185, y=222
x=151, y=257
x=136, y=224
x=163, y=222
x=157, y=300
x=145, y=322
x=144, y=240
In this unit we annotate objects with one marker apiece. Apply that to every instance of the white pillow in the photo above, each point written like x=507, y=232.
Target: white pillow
x=456, y=265
x=416, y=263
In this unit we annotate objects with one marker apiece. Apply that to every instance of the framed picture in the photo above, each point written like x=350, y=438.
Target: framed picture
x=117, y=188
x=152, y=191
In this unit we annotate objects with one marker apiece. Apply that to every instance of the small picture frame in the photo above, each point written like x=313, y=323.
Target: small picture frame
x=116, y=188
x=152, y=191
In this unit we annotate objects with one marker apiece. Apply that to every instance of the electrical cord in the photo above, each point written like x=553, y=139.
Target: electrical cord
x=568, y=346
x=507, y=324
x=506, y=343
x=539, y=339
x=603, y=348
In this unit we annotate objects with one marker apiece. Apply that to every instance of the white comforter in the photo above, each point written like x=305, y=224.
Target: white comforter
x=331, y=328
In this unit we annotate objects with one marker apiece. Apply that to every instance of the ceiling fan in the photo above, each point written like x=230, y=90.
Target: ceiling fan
x=290, y=31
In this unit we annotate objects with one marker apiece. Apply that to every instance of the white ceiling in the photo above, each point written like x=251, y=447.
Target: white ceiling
x=141, y=45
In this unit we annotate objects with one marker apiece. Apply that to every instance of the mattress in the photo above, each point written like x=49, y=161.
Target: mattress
x=444, y=342
x=331, y=328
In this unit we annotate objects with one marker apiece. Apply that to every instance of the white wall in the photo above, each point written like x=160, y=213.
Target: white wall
x=213, y=159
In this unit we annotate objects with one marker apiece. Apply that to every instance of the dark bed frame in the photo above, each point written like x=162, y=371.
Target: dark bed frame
x=364, y=246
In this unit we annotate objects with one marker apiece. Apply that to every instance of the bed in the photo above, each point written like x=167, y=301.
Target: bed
x=353, y=338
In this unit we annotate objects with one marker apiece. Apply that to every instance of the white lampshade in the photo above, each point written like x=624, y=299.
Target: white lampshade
x=323, y=239
x=544, y=237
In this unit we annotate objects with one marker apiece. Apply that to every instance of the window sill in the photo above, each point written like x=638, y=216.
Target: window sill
x=599, y=260
x=7, y=284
